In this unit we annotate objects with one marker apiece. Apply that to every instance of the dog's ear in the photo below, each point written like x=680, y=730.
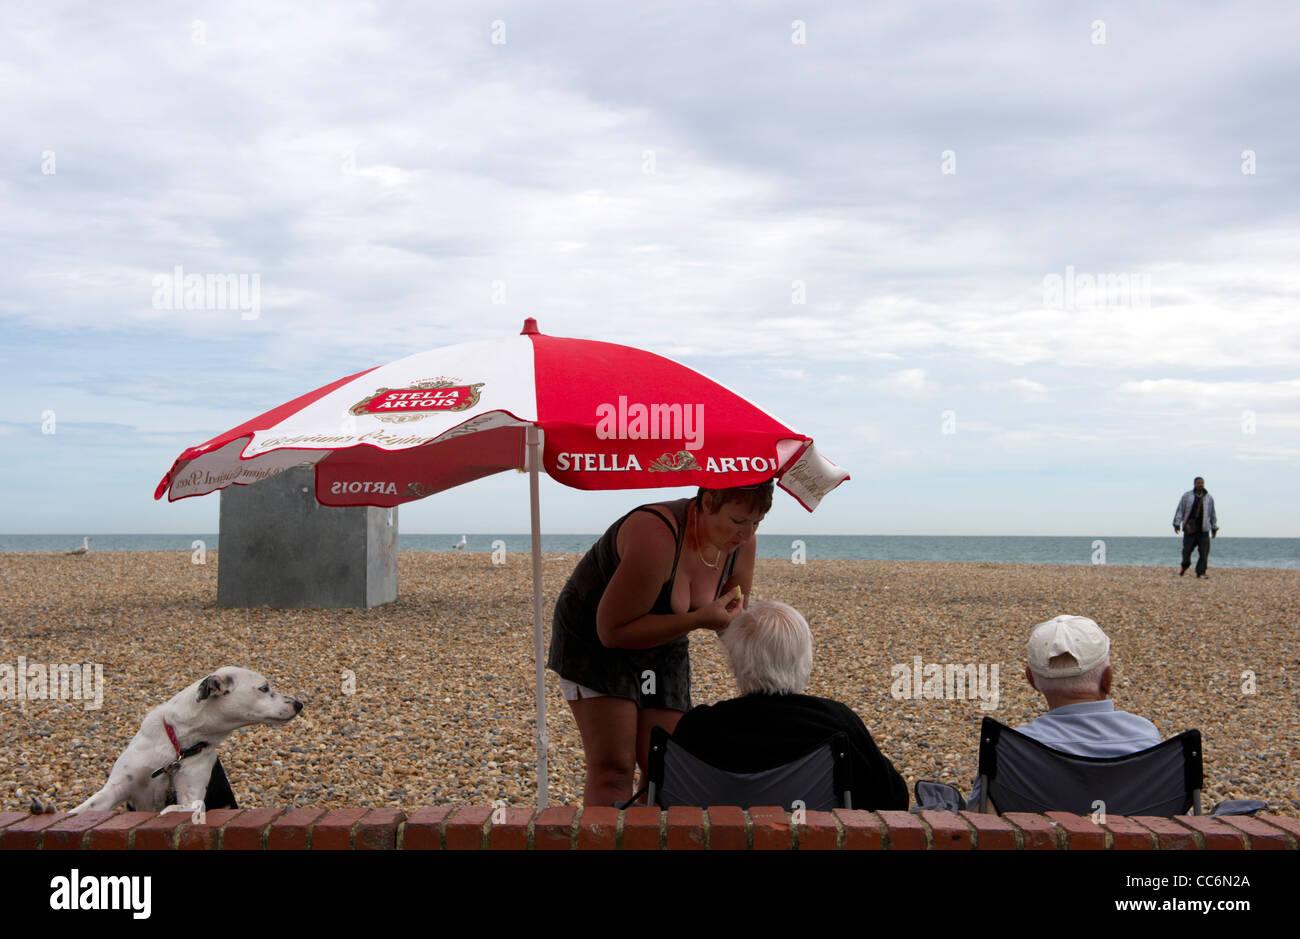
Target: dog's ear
x=212, y=685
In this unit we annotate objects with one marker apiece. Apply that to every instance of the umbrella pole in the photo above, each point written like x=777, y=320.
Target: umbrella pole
x=534, y=461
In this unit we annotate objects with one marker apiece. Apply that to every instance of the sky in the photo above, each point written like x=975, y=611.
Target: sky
x=1021, y=268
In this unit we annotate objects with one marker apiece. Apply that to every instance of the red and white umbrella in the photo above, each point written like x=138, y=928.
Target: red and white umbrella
x=604, y=416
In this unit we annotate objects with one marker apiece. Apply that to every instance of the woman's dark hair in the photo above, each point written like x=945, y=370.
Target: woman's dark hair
x=755, y=498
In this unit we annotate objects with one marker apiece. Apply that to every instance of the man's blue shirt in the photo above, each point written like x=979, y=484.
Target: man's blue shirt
x=1092, y=728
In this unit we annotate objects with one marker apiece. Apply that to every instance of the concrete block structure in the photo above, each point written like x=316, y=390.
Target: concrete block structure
x=279, y=547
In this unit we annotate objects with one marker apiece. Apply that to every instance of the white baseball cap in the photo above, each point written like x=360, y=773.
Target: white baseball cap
x=1077, y=635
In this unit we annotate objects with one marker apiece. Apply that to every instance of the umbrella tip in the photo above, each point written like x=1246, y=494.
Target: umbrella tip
x=530, y=327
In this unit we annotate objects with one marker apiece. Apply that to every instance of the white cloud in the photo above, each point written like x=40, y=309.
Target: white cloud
x=907, y=383
x=867, y=433
x=1267, y=454
x=1024, y=388
x=1213, y=394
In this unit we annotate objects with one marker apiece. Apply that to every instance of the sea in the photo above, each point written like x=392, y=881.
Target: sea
x=1000, y=549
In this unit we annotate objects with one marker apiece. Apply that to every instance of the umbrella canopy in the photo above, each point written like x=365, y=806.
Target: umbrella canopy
x=610, y=416
x=591, y=415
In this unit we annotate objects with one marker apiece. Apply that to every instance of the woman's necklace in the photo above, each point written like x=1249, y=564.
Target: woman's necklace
x=700, y=545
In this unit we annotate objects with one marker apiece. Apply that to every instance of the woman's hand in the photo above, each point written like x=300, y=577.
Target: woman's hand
x=719, y=614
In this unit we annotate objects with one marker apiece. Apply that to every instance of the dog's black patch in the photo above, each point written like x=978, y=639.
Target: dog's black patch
x=210, y=686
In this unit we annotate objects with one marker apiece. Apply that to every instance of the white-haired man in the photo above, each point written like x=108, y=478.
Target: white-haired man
x=1069, y=665
x=769, y=648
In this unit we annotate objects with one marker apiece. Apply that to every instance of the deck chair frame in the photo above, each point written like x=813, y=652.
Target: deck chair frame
x=1066, y=782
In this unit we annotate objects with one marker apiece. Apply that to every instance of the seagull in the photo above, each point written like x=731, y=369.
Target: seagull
x=85, y=546
x=463, y=542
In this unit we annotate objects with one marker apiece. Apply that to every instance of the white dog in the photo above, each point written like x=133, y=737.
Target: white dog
x=176, y=745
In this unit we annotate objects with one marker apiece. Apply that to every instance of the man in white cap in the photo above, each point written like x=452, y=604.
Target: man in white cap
x=1069, y=665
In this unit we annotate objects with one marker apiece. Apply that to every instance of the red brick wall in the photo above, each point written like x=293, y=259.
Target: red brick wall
x=572, y=827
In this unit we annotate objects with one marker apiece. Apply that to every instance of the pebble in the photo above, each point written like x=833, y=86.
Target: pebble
x=443, y=677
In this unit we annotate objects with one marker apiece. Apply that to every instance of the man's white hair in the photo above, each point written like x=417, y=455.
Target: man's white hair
x=769, y=647
x=1088, y=682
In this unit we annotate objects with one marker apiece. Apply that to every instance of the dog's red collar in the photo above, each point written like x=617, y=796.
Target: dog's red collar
x=180, y=754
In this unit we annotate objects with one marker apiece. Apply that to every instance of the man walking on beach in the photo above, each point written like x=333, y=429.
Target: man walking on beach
x=1195, y=513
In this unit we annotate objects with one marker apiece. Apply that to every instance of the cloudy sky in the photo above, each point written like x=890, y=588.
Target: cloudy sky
x=1022, y=268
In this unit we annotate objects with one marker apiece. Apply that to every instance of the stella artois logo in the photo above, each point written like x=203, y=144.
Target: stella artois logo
x=674, y=463
x=419, y=490
x=431, y=396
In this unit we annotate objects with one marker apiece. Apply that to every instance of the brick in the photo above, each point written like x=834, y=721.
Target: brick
x=641, y=828
x=553, y=830
x=159, y=832
x=1081, y=832
x=1259, y=836
x=685, y=828
x=818, y=832
x=903, y=831
x=771, y=828
x=247, y=830
x=991, y=832
x=1289, y=825
x=8, y=818
x=948, y=831
x=862, y=830
x=1128, y=835
x=598, y=828
x=1215, y=835
x=333, y=830
x=423, y=829
x=728, y=828
x=205, y=837
x=467, y=828
x=1169, y=834
x=68, y=833
x=377, y=831
x=511, y=834
x=292, y=830
x=1036, y=832
x=25, y=835
x=116, y=834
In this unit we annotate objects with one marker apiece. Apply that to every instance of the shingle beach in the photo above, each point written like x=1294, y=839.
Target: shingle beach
x=441, y=699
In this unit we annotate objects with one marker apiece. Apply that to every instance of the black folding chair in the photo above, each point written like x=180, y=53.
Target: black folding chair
x=1020, y=774
x=821, y=779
